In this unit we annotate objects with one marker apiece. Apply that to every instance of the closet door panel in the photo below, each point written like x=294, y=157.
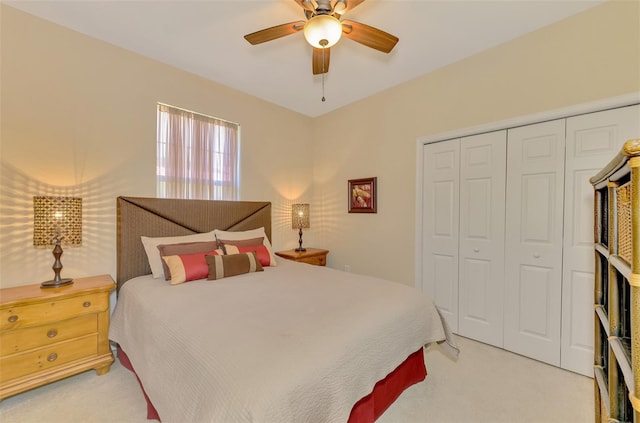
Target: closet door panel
x=533, y=249
x=444, y=276
x=481, y=249
x=535, y=302
x=440, y=227
x=538, y=197
x=592, y=140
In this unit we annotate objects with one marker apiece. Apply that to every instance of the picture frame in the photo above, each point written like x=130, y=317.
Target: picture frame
x=362, y=195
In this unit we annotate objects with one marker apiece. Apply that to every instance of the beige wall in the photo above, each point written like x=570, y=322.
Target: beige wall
x=78, y=118
x=588, y=57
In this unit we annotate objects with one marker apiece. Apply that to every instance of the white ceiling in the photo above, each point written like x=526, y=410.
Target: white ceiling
x=206, y=38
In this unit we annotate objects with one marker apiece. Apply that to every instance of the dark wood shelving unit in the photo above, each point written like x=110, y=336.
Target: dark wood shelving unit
x=617, y=288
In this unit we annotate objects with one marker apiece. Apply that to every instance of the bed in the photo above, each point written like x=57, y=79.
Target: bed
x=290, y=343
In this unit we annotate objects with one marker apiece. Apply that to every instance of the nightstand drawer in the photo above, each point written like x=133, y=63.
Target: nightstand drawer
x=29, y=362
x=39, y=313
x=316, y=261
x=15, y=341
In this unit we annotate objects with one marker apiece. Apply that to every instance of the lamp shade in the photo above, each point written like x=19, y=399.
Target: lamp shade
x=299, y=216
x=57, y=217
x=323, y=27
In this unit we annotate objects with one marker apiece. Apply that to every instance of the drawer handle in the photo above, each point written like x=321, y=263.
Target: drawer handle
x=86, y=304
x=52, y=357
x=13, y=318
x=52, y=333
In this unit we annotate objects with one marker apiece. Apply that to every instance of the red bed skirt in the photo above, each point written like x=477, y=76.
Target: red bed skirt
x=152, y=414
x=387, y=390
x=368, y=409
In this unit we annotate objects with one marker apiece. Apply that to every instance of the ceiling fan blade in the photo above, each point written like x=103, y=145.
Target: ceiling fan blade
x=320, y=61
x=274, y=32
x=369, y=36
x=307, y=5
x=348, y=5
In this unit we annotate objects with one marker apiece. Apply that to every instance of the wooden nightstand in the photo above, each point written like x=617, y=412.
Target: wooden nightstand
x=49, y=334
x=313, y=256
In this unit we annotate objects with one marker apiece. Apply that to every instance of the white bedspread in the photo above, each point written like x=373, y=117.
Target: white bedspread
x=295, y=343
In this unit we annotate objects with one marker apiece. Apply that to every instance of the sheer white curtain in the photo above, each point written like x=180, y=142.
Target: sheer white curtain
x=198, y=156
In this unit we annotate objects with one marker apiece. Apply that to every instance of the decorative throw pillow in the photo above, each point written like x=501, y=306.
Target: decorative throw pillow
x=260, y=250
x=237, y=264
x=150, y=245
x=242, y=235
x=188, y=267
x=240, y=242
x=184, y=248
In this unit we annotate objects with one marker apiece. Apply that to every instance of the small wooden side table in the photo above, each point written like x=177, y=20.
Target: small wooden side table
x=49, y=334
x=315, y=256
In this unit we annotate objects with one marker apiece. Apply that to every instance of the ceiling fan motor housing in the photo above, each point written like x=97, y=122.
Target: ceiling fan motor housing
x=324, y=8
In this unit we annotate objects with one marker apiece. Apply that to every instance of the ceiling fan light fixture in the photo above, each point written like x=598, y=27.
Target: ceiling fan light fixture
x=323, y=28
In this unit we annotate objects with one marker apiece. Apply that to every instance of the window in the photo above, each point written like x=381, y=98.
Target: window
x=197, y=156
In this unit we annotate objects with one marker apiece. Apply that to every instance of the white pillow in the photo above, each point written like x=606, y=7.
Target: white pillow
x=253, y=233
x=153, y=254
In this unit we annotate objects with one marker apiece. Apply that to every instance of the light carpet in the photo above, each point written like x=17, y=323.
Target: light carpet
x=484, y=385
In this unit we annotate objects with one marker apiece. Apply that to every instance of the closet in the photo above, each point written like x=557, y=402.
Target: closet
x=507, y=232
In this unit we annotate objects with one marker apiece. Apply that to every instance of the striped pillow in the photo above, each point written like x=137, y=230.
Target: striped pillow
x=188, y=267
x=262, y=253
x=232, y=265
x=185, y=248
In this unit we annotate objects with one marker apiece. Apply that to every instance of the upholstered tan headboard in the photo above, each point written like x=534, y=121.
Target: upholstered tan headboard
x=155, y=217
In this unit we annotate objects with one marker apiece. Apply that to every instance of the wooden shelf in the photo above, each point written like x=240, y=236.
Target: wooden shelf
x=602, y=249
x=622, y=349
x=604, y=320
x=621, y=265
x=601, y=380
x=617, y=294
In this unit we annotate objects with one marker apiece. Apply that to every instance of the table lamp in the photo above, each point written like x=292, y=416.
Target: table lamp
x=299, y=220
x=57, y=220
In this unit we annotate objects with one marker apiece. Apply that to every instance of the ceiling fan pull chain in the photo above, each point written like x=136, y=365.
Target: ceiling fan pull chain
x=323, y=66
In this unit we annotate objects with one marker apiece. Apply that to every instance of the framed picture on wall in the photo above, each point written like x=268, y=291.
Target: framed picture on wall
x=362, y=195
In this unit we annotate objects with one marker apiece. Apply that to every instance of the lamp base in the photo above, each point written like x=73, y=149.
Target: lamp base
x=300, y=249
x=56, y=283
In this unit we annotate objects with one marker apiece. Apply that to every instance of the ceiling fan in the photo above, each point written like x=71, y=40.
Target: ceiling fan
x=324, y=27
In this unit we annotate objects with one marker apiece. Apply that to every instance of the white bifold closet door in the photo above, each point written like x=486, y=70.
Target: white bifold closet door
x=463, y=233
x=513, y=267
x=440, y=226
x=481, y=249
x=592, y=141
x=534, y=222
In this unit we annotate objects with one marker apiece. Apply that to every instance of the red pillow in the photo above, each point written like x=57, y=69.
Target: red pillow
x=184, y=248
x=188, y=267
x=261, y=252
